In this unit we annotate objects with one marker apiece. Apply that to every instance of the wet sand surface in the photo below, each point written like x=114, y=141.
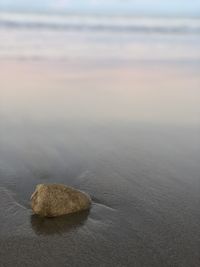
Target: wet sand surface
x=126, y=134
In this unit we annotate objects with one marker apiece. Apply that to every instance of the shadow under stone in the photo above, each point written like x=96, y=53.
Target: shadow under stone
x=58, y=225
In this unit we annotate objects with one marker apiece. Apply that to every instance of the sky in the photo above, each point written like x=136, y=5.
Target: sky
x=140, y=7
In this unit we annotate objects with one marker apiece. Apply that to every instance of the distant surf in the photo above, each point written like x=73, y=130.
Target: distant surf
x=100, y=39
x=100, y=23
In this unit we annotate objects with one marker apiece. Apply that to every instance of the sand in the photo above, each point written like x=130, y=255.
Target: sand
x=126, y=134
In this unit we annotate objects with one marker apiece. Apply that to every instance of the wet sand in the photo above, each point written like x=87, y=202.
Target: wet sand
x=128, y=135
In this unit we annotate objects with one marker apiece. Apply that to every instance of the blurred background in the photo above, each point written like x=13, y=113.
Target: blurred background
x=95, y=30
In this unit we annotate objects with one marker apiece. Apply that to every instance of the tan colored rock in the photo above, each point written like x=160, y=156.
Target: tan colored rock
x=51, y=200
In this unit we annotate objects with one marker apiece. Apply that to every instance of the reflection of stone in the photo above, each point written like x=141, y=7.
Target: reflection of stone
x=58, y=225
x=51, y=200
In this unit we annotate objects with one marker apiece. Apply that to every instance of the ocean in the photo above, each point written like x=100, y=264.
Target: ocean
x=126, y=38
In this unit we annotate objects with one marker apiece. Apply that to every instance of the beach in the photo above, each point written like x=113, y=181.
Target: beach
x=111, y=117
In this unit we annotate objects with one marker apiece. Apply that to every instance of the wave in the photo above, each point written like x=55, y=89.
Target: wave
x=100, y=23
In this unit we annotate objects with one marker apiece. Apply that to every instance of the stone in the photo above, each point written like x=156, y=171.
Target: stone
x=51, y=200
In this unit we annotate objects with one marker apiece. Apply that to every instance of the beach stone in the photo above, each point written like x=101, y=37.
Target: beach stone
x=51, y=200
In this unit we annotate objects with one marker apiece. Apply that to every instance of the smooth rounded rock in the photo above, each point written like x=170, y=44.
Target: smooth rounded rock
x=51, y=200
